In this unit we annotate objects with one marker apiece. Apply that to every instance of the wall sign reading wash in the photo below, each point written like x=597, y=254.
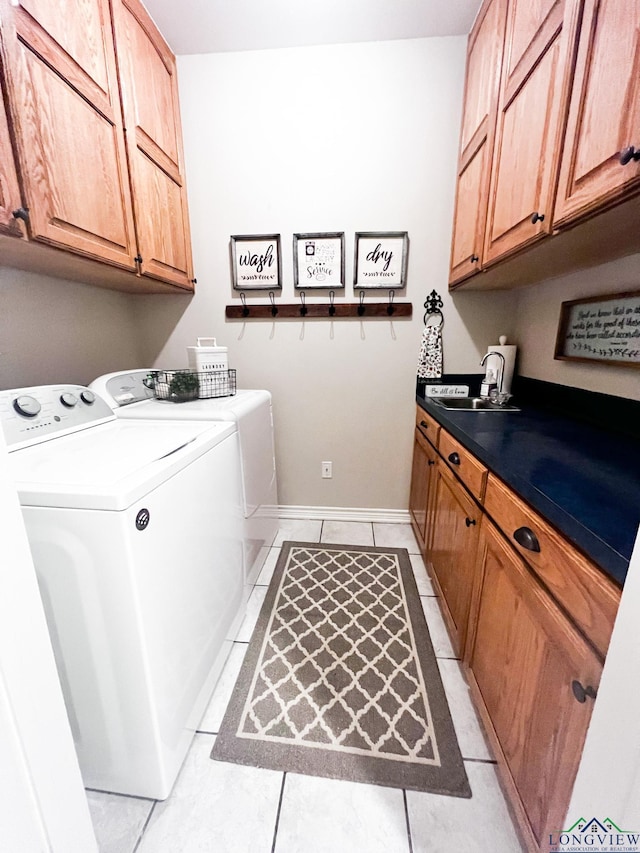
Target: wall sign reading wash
x=381, y=259
x=605, y=329
x=255, y=262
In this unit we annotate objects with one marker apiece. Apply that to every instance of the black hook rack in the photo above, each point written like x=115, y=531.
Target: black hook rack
x=318, y=310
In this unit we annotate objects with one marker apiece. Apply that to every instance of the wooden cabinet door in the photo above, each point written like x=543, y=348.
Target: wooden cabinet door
x=476, y=139
x=154, y=145
x=9, y=189
x=59, y=63
x=533, y=94
x=524, y=656
x=604, y=112
x=424, y=459
x=455, y=521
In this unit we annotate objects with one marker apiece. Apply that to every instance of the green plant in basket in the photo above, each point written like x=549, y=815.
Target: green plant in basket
x=184, y=385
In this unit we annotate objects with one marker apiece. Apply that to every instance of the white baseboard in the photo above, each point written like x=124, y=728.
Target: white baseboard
x=338, y=513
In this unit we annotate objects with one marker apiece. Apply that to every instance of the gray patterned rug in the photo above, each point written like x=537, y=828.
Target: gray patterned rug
x=340, y=678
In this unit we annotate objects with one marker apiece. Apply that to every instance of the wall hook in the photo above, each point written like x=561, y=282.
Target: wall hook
x=303, y=309
x=332, y=307
x=390, y=306
x=433, y=304
x=274, y=308
x=245, y=310
x=361, y=305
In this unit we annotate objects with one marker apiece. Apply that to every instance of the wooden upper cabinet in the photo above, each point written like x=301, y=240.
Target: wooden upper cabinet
x=482, y=81
x=533, y=95
x=62, y=90
x=604, y=112
x=9, y=189
x=154, y=145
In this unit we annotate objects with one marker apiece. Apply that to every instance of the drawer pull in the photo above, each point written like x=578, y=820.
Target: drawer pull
x=454, y=458
x=581, y=692
x=469, y=521
x=527, y=539
x=424, y=424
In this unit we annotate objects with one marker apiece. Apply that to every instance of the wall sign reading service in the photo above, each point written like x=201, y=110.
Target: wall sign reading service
x=255, y=261
x=601, y=328
x=381, y=259
x=318, y=260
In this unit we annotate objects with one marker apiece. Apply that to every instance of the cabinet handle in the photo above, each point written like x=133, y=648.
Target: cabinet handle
x=138, y=258
x=474, y=259
x=581, y=692
x=470, y=522
x=527, y=539
x=454, y=458
x=424, y=424
x=629, y=154
x=193, y=280
x=537, y=217
x=21, y=213
x=431, y=461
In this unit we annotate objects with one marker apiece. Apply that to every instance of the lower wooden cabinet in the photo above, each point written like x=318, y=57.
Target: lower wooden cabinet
x=455, y=524
x=532, y=627
x=422, y=475
x=534, y=678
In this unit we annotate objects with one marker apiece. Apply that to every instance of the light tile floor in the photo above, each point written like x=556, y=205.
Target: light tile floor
x=225, y=808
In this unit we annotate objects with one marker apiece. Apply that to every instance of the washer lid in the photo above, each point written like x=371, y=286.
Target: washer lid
x=112, y=465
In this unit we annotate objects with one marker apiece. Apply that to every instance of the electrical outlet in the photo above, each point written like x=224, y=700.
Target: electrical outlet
x=327, y=471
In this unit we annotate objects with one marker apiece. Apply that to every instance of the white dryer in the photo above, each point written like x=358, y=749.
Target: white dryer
x=128, y=394
x=136, y=535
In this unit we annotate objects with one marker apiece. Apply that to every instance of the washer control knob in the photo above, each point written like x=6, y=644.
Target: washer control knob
x=68, y=399
x=88, y=397
x=27, y=406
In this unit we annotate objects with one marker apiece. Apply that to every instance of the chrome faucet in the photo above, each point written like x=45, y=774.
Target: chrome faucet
x=502, y=366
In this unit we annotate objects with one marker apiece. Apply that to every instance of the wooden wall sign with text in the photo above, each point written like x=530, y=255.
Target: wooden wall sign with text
x=603, y=329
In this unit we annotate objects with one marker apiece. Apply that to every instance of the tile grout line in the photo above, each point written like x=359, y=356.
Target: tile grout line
x=144, y=828
x=406, y=815
x=275, y=828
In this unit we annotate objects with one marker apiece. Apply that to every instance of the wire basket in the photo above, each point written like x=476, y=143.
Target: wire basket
x=179, y=386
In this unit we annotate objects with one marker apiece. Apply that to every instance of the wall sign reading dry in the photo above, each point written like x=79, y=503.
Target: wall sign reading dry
x=601, y=328
x=380, y=259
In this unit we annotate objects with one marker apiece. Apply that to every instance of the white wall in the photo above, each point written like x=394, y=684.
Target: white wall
x=53, y=330
x=538, y=312
x=339, y=138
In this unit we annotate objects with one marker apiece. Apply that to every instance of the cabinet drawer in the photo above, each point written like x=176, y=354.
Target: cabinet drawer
x=586, y=593
x=429, y=427
x=472, y=472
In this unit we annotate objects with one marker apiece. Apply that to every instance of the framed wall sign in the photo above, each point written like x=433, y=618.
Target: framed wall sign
x=318, y=260
x=256, y=262
x=381, y=259
x=605, y=329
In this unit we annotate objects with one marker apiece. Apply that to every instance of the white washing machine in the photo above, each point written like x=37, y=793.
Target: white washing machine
x=136, y=535
x=129, y=397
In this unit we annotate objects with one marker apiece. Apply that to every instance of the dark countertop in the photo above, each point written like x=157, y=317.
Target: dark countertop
x=583, y=479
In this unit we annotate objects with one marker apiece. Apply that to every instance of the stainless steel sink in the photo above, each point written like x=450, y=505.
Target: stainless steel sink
x=472, y=404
